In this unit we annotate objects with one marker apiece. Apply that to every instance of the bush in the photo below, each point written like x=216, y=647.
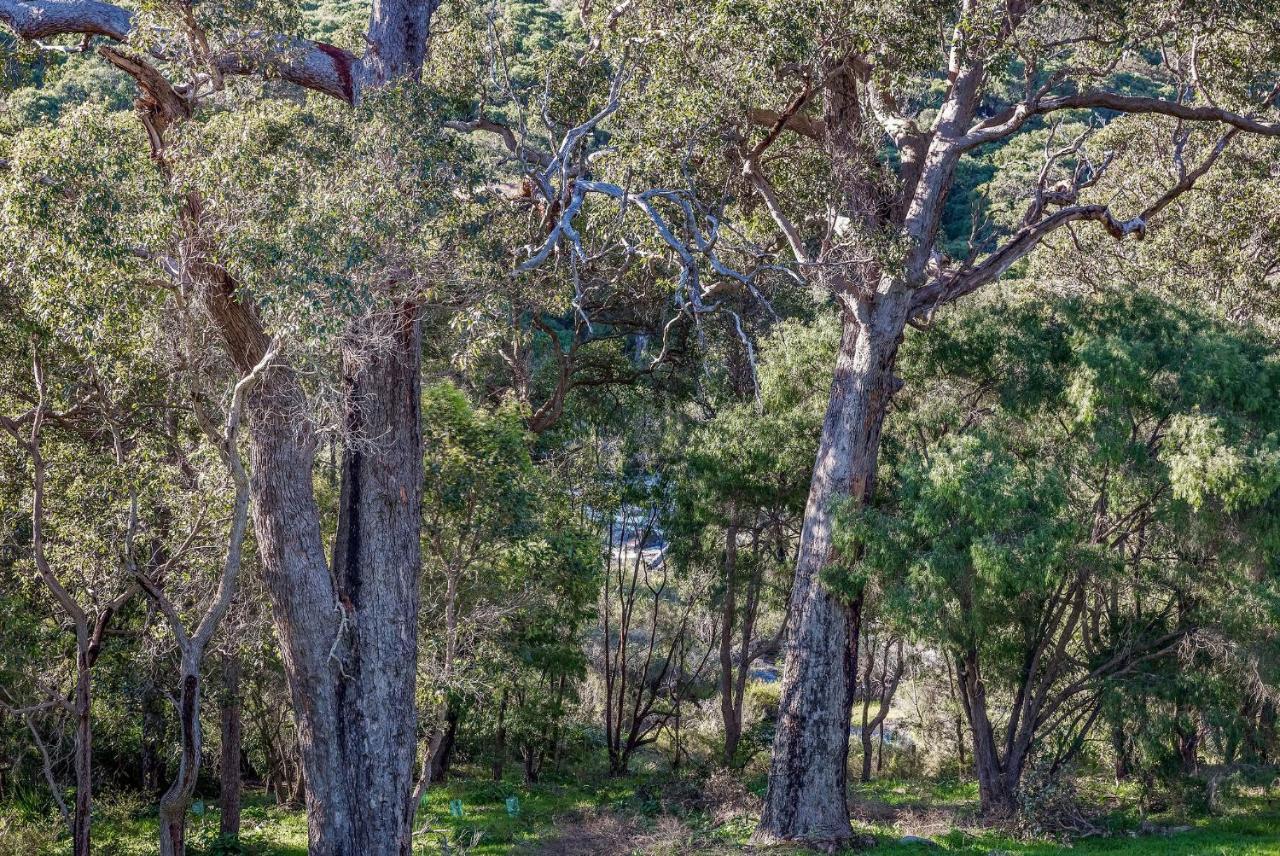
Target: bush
x=763, y=699
x=1049, y=806
x=22, y=834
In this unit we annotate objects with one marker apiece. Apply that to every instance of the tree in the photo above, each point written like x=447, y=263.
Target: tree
x=89, y=621
x=351, y=662
x=645, y=634
x=884, y=125
x=193, y=639
x=512, y=565
x=1045, y=528
x=879, y=687
x=740, y=495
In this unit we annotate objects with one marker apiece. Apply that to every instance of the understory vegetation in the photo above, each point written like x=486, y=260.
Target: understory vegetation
x=655, y=427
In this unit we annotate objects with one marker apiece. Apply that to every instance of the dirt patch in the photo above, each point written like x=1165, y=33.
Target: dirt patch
x=596, y=832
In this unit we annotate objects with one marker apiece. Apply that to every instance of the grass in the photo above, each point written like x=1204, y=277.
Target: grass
x=653, y=812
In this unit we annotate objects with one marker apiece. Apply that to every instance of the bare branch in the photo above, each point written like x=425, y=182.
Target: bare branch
x=1012, y=119
x=959, y=283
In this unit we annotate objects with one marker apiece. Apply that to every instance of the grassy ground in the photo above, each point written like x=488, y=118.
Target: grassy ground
x=659, y=814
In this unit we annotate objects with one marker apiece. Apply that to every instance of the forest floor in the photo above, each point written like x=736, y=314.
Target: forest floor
x=666, y=814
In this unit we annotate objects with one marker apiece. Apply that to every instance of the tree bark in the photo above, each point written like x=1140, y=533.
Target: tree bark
x=376, y=566
x=442, y=750
x=174, y=803
x=1187, y=741
x=529, y=754
x=997, y=778
x=349, y=641
x=83, y=753
x=806, y=798
x=229, y=766
x=730, y=710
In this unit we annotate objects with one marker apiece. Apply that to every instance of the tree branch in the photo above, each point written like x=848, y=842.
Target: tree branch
x=949, y=288
x=1013, y=118
x=318, y=66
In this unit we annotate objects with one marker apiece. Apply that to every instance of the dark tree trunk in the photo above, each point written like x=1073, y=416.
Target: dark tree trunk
x=998, y=777
x=176, y=800
x=500, y=739
x=83, y=755
x=730, y=709
x=229, y=765
x=152, y=735
x=1122, y=746
x=867, y=729
x=806, y=798
x=530, y=757
x=1187, y=742
x=442, y=755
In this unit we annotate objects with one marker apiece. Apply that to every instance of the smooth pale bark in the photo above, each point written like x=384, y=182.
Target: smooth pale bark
x=806, y=799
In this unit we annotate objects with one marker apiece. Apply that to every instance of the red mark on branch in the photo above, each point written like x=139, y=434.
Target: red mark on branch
x=342, y=65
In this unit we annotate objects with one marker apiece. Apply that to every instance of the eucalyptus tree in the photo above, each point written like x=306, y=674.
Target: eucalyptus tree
x=347, y=626
x=341, y=221
x=193, y=638
x=88, y=611
x=874, y=108
x=1091, y=489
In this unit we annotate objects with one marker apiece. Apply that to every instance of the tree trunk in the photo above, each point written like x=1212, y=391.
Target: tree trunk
x=806, y=798
x=730, y=712
x=229, y=766
x=997, y=779
x=83, y=754
x=377, y=561
x=442, y=751
x=867, y=750
x=349, y=641
x=176, y=800
x=152, y=734
x=1188, y=746
x=500, y=739
x=530, y=757
x=1122, y=745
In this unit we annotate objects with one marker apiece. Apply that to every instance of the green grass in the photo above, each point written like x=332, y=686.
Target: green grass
x=643, y=803
x=1234, y=836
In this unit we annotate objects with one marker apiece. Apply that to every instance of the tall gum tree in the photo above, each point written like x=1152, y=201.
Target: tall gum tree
x=347, y=628
x=864, y=100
